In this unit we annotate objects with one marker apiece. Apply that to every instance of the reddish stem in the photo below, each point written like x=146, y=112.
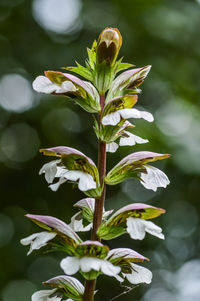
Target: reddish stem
x=99, y=204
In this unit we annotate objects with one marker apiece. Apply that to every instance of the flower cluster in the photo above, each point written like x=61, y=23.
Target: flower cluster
x=112, y=98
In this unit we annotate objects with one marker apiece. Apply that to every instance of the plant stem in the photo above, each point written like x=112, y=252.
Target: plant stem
x=99, y=204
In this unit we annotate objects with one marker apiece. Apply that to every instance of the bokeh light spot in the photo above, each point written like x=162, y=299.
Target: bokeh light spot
x=18, y=290
x=57, y=16
x=16, y=93
x=19, y=142
x=6, y=230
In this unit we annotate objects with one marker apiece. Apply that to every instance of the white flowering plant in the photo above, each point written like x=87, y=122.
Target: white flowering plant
x=111, y=98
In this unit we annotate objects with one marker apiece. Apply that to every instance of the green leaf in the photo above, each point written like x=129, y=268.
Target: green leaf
x=119, y=66
x=83, y=71
x=92, y=55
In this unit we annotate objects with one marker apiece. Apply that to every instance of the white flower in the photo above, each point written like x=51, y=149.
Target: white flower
x=37, y=240
x=154, y=178
x=77, y=224
x=43, y=85
x=72, y=265
x=138, y=227
x=139, y=275
x=129, y=139
x=114, y=118
x=52, y=171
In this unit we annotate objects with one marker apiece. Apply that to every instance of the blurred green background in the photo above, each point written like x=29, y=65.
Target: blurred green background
x=48, y=34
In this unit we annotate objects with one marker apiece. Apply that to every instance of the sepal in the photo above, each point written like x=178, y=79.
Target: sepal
x=69, y=286
x=67, y=239
x=128, y=81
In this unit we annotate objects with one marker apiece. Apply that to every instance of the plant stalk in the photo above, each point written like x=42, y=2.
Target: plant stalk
x=99, y=204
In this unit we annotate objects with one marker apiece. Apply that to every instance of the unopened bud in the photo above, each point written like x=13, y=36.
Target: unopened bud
x=108, y=45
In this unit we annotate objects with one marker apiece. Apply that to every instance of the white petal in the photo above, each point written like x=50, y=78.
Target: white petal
x=153, y=229
x=134, y=113
x=109, y=269
x=86, y=182
x=96, y=264
x=43, y=85
x=154, y=178
x=111, y=119
x=54, y=187
x=45, y=295
x=50, y=170
x=139, y=275
x=131, y=139
x=111, y=147
x=70, y=265
x=77, y=224
x=114, y=118
x=37, y=240
x=90, y=263
x=138, y=227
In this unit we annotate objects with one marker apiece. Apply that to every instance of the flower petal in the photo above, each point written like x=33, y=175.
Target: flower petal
x=77, y=223
x=46, y=295
x=37, y=240
x=70, y=265
x=109, y=269
x=43, y=84
x=154, y=178
x=139, y=275
x=50, y=170
x=114, y=118
x=137, y=228
x=131, y=139
x=111, y=147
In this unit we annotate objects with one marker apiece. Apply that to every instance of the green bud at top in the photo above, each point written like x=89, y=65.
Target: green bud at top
x=108, y=46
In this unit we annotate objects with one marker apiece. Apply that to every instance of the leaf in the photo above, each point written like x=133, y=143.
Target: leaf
x=83, y=71
x=119, y=66
x=132, y=166
x=92, y=55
